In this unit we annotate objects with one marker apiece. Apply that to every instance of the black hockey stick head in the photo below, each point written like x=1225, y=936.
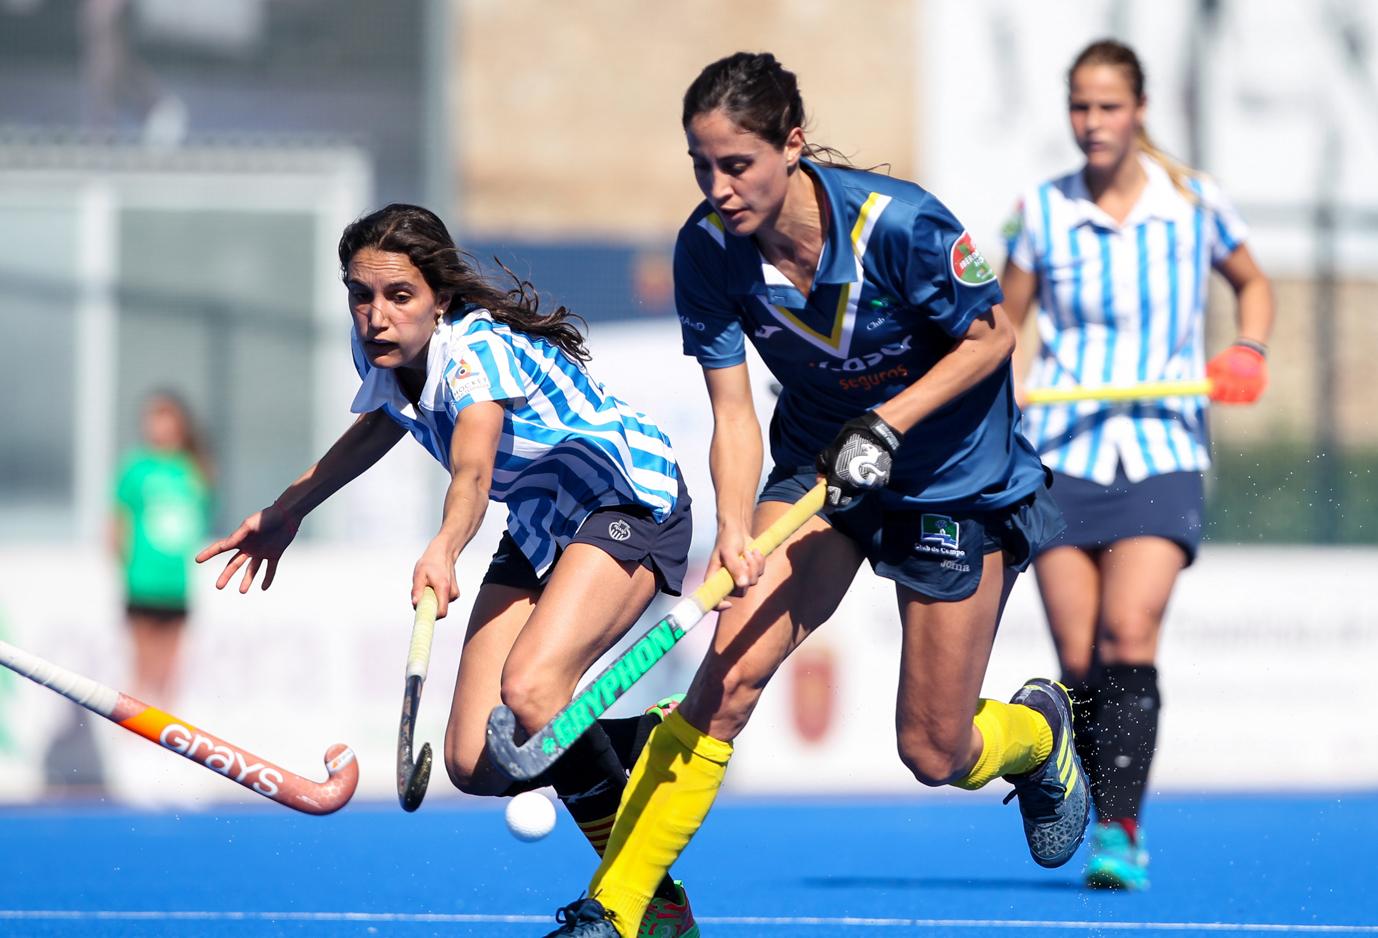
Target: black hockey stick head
x=412, y=777
x=411, y=785
x=527, y=760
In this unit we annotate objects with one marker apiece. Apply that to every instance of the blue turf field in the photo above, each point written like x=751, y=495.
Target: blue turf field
x=936, y=866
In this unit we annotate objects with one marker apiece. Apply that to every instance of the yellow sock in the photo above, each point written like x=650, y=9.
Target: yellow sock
x=671, y=788
x=1015, y=739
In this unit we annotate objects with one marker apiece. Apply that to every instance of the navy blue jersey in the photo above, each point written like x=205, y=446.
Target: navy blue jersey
x=899, y=282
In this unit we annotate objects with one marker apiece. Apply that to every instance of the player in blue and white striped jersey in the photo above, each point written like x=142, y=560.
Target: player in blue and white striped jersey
x=567, y=447
x=1118, y=255
x=598, y=516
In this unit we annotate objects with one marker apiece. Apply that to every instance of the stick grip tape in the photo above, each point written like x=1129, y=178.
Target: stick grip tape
x=90, y=694
x=422, y=631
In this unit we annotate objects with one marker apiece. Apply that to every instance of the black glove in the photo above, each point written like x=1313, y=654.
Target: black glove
x=859, y=459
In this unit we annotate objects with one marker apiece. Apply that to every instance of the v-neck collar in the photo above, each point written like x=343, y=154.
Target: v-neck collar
x=380, y=387
x=1158, y=200
x=749, y=271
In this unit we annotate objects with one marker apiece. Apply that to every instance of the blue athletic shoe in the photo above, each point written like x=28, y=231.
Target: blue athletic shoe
x=1118, y=861
x=584, y=918
x=1054, y=798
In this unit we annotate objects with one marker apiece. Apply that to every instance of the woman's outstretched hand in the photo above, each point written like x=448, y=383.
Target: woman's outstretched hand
x=260, y=538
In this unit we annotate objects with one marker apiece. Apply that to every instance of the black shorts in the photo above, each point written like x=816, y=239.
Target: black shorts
x=1169, y=505
x=936, y=552
x=623, y=532
x=158, y=615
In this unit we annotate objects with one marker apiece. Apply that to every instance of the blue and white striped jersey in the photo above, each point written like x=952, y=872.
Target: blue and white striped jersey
x=1122, y=304
x=568, y=447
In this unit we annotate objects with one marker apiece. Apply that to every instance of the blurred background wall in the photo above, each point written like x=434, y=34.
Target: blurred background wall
x=174, y=175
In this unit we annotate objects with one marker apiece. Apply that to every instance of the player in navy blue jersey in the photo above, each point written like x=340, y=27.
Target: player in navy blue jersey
x=1118, y=255
x=881, y=321
x=598, y=519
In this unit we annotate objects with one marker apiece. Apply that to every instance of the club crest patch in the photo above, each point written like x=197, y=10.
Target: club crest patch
x=619, y=530
x=939, y=534
x=969, y=266
x=464, y=377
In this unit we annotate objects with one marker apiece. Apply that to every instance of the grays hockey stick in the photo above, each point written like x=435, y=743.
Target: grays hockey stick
x=254, y=773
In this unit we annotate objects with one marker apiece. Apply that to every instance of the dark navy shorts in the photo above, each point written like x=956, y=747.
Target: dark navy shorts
x=160, y=615
x=623, y=532
x=938, y=552
x=1169, y=505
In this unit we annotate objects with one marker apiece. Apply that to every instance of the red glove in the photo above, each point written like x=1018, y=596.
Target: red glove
x=1238, y=375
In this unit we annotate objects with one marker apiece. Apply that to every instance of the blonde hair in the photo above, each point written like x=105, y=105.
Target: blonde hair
x=1118, y=55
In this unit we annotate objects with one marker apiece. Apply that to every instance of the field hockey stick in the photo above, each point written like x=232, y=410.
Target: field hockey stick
x=256, y=774
x=412, y=777
x=539, y=752
x=1152, y=390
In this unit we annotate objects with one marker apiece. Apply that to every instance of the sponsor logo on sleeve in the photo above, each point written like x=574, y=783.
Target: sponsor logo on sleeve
x=463, y=376
x=968, y=264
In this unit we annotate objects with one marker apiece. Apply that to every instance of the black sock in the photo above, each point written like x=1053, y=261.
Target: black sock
x=1085, y=716
x=589, y=777
x=628, y=735
x=1124, y=738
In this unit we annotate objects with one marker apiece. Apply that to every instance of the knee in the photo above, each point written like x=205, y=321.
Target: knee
x=1129, y=638
x=934, y=759
x=530, y=698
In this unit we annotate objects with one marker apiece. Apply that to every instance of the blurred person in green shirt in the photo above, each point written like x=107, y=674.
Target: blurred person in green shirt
x=162, y=509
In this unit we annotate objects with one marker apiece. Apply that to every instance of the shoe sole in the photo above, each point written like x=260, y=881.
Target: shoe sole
x=1112, y=882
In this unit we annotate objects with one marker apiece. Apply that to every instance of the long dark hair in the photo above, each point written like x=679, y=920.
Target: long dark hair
x=193, y=442
x=420, y=234
x=1118, y=55
x=761, y=96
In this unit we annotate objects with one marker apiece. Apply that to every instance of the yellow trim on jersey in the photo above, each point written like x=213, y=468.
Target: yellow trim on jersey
x=712, y=223
x=838, y=340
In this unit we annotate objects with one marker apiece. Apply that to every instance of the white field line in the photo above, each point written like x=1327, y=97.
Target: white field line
x=756, y=921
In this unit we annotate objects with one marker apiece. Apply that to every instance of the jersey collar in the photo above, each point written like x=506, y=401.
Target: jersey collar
x=380, y=389
x=836, y=264
x=1159, y=200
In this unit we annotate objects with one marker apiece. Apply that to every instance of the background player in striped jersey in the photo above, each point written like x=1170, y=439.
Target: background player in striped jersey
x=1118, y=255
x=881, y=321
x=598, y=516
